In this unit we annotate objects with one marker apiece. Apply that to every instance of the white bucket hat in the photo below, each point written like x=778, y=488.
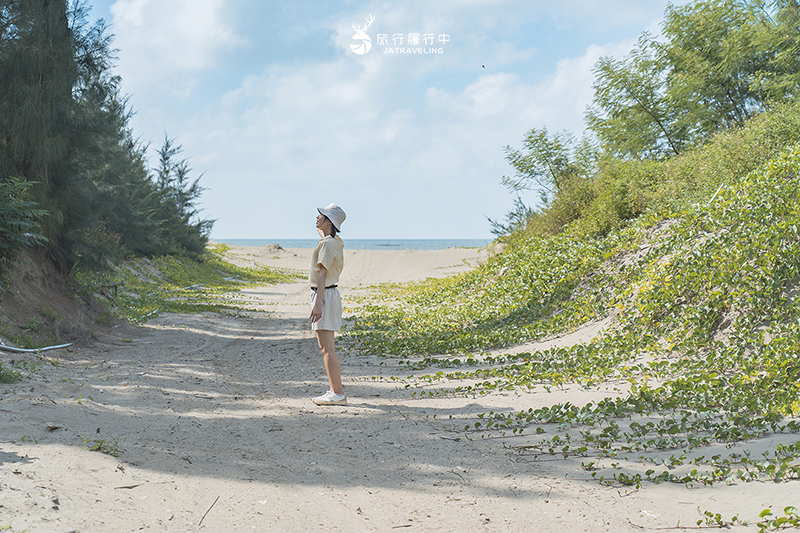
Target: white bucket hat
x=335, y=214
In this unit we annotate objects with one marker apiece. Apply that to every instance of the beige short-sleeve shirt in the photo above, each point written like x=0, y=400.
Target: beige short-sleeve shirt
x=329, y=253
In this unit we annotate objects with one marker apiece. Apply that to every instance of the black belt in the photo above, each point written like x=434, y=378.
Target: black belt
x=328, y=287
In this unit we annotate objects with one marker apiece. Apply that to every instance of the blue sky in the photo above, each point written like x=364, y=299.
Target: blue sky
x=280, y=115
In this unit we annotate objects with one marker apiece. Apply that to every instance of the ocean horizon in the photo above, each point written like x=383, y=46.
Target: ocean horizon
x=366, y=244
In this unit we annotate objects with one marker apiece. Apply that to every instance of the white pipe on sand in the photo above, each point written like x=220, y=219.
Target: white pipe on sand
x=33, y=350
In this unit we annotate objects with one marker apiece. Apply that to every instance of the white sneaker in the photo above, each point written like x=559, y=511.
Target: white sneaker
x=330, y=398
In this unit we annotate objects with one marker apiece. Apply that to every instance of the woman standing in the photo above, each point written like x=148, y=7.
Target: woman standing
x=327, y=262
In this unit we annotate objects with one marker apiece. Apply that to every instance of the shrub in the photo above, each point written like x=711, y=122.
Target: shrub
x=621, y=190
x=19, y=217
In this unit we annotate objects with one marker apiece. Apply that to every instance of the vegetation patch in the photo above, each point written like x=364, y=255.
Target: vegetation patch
x=525, y=293
x=9, y=375
x=704, y=342
x=104, y=446
x=139, y=289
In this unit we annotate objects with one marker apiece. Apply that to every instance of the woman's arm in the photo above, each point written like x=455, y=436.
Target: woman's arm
x=316, y=311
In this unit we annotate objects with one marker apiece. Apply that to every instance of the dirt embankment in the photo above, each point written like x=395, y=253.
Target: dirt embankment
x=40, y=307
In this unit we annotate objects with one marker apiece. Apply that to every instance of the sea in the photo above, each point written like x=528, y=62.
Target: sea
x=367, y=244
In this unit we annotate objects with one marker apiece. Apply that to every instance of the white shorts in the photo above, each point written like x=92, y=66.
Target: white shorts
x=331, y=310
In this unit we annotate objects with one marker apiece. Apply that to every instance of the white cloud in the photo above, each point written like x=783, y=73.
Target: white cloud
x=310, y=133
x=162, y=42
x=558, y=102
x=604, y=13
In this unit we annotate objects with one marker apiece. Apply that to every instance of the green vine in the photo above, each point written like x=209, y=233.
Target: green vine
x=705, y=346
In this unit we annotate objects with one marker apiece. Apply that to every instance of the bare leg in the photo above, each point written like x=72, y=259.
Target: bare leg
x=326, y=346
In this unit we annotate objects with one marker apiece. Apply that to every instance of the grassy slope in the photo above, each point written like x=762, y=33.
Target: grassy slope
x=707, y=328
x=147, y=287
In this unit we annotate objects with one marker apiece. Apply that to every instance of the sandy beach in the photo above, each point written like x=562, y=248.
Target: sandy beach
x=214, y=429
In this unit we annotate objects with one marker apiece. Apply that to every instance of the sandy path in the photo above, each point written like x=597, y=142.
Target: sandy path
x=214, y=422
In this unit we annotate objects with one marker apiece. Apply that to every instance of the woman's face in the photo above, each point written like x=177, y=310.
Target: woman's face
x=323, y=223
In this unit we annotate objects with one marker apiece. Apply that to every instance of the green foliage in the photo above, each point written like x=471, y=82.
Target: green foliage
x=570, y=204
x=625, y=189
x=721, y=63
x=781, y=82
x=46, y=48
x=177, y=284
x=548, y=162
x=518, y=295
x=9, y=375
x=790, y=519
x=516, y=220
x=620, y=193
x=176, y=215
x=622, y=190
x=675, y=119
x=725, y=159
x=714, y=56
x=39, y=71
x=557, y=166
x=706, y=337
x=631, y=112
x=104, y=446
x=19, y=217
x=64, y=128
x=715, y=520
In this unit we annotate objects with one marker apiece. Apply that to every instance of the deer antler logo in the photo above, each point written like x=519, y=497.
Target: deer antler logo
x=365, y=43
